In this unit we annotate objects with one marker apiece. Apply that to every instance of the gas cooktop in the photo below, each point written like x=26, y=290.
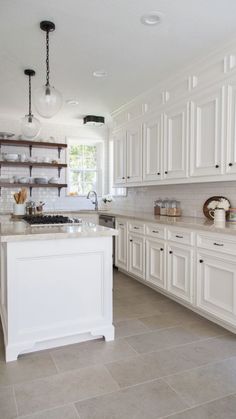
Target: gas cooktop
x=39, y=220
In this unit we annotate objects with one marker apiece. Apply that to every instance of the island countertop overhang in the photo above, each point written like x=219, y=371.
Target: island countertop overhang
x=14, y=231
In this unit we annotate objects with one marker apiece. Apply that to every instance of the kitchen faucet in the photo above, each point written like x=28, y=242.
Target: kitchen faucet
x=95, y=202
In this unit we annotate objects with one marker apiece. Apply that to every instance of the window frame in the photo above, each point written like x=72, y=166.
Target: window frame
x=100, y=164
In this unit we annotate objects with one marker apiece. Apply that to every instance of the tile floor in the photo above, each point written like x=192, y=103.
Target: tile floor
x=165, y=362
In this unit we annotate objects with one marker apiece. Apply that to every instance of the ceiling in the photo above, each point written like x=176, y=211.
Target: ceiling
x=103, y=34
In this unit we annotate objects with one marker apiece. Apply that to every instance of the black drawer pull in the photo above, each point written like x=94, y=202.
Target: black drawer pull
x=201, y=261
x=170, y=252
x=155, y=231
x=179, y=237
x=136, y=228
x=218, y=244
x=161, y=249
x=130, y=240
x=121, y=225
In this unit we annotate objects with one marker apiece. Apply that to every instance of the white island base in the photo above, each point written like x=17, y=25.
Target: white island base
x=55, y=292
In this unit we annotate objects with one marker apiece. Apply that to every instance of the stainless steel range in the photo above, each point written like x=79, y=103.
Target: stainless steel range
x=51, y=220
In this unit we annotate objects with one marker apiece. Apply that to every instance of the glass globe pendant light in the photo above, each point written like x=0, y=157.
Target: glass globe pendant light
x=47, y=99
x=30, y=126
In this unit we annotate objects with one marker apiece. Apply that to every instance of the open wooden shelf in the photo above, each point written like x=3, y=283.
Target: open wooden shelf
x=35, y=164
x=36, y=144
x=31, y=186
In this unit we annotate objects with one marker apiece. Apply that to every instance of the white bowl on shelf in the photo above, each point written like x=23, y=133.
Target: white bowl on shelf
x=11, y=157
x=41, y=180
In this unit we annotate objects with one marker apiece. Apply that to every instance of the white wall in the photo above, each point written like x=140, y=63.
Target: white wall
x=60, y=132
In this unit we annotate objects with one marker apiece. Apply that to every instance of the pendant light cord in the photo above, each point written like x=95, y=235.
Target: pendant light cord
x=47, y=59
x=30, y=112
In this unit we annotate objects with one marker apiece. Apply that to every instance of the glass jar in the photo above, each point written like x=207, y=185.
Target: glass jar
x=174, y=209
x=164, y=207
x=157, y=207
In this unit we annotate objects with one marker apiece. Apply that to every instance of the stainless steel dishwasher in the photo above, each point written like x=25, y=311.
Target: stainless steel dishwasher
x=110, y=222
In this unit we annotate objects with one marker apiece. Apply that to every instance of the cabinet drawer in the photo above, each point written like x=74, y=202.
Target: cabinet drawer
x=180, y=236
x=155, y=230
x=217, y=243
x=136, y=227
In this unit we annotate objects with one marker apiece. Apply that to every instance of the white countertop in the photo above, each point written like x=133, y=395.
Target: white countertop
x=20, y=231
x=193, y=223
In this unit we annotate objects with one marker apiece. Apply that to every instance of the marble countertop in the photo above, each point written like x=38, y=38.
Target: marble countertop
x=11, y=231
x=193, y=223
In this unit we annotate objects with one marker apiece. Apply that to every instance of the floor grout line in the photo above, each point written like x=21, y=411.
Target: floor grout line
x=15, y=401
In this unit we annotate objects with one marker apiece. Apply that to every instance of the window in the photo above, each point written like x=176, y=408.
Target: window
x=85, y=161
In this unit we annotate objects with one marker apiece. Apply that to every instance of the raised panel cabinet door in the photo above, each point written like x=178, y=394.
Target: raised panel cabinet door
x=155, y=263
x=175, y=142
x=119, y=157
x=206, y=122
x=152, y=149
x=136, y=255
x=230, y=160
x=134, y=154
x=121, y=245
x=180, y=271
x=216, y=286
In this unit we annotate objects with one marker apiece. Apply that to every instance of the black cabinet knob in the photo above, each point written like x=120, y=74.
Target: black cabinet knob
x=217, y=166
x=130, y=240
x=158, y=173
x=166, y=172
x=123, y=177
x=170, y=252
x=200, y=261
x=161, y=249
x=230, y=164
x=128, y=177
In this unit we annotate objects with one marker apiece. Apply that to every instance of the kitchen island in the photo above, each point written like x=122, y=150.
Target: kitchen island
x=55, y=285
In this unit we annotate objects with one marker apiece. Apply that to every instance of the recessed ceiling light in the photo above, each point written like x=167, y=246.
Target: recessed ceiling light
x=152, y=19
x=73, y=102
x=100, y=73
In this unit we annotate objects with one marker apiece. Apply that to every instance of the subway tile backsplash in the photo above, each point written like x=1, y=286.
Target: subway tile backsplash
x=192, y=197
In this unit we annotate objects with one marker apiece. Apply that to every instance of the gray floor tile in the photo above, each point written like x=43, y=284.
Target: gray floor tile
x=28, y=367
x=219, y=409
x=64, y=412
x=206, y=383
x=126, y=328
x=7, y=403
x=134, y=370
x=161, y=339
x=149, y=401
x=81, y=355
x=62, y=389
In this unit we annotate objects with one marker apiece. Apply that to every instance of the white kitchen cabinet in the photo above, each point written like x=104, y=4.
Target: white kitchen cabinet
x=230, y=158
x=207, y=116
x=175, y=142
x=216, y=285
x=180, y=271
x=136, y=255
x=121, y=256
x=119, y=157
x=134, y=154
x=152, y=149
x=155, y=262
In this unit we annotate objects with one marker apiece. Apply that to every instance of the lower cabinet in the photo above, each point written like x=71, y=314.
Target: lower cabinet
x=180, y=271
x=136, y=255
x=216, y=285
x=121, y=254
x=155, y=262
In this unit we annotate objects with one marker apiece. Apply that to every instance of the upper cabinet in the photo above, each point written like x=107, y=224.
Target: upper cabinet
x=134, y=153
x=119, y=157
x=175, y=142
x=152, y=148
x=230, y=158
x=207, y=122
